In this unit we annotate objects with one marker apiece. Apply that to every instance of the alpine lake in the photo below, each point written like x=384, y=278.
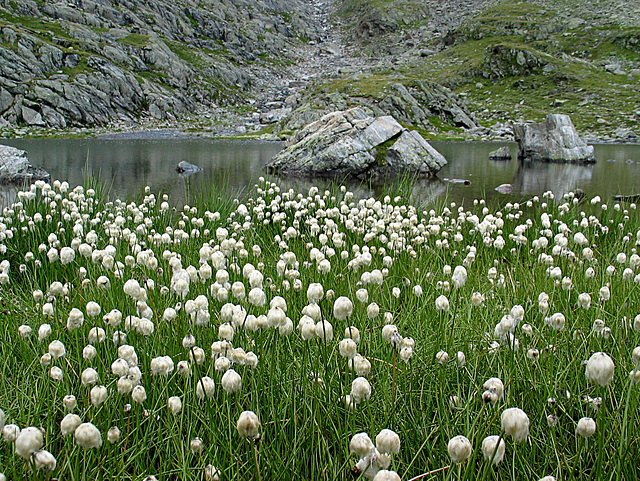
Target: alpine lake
x=231, y=167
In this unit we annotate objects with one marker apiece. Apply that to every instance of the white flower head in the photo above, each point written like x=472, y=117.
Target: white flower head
x=231, y=381
x=248, y=425
x=360, y=390
x=600, y=369
x=515, y=422
x=69, y=424
x=586, y=427
x=491, y=450
x=88, y=436
x=342, y=308
x=388, y=441
x=361, y=445
x=442, y=303
x=459, y=448
x=205, y=387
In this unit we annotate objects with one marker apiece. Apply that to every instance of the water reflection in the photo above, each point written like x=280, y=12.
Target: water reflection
x=534, y=177
x=232, y=167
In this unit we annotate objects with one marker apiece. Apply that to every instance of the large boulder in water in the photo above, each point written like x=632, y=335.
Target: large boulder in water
x=552, y=140
x=351, y=143
x=15, y=167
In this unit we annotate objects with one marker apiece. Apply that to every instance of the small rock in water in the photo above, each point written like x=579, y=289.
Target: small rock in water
x=502, y=153
x=459, y=181
x=504, y=188
x=187, y=168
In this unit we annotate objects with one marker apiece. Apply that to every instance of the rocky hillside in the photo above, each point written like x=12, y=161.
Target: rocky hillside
x=116, y=62
x=501, y=60
x=268, y=67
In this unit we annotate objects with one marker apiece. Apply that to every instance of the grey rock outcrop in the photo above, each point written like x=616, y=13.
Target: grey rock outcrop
x=552, y=140
x=351, y=143
x=187, y=168
x=415, y=104
x=124, y=62
x=15, y=167
x=502, y=153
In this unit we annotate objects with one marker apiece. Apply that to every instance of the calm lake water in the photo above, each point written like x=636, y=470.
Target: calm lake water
x=231, y=167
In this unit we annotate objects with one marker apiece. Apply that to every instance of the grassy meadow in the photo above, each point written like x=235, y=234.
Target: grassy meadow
x=314, y=335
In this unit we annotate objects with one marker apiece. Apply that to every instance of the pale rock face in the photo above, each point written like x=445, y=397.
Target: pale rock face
x=553, y=140
x=343, y=143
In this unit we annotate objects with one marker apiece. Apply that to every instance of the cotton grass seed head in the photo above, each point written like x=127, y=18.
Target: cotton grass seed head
x=385, y=475
x=459, y=449
x=492, y=450
x=174, y=404
x=231, y=381
x=388, y=441
x=342, y=308
x=248, y=425
x=361, y=445
x=88, y=436
x=586, y=427
x=515, y=422
x=600, y=369
x=44, y=460
x=205, y=387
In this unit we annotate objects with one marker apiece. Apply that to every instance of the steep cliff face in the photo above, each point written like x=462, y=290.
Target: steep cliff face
x=92, y=63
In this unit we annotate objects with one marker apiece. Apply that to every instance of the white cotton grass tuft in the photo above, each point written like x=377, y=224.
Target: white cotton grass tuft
x=459, y=449
x=28, y=441
x=88, y=436
x=205, y=387
x=231, y=381
x=494, y=390
x=442, y=303
x=69, y=424
x=492, y=450
x=388, y=442
x=360, y=390
x=174, y=403
x=385, y=475
x=196, y=445
x=44, y=460
x=586, y=427
x=515, y=423
x=342, y=308
x=600, y=369
x=211, y=473
x=248, y=425
x=113, y=435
